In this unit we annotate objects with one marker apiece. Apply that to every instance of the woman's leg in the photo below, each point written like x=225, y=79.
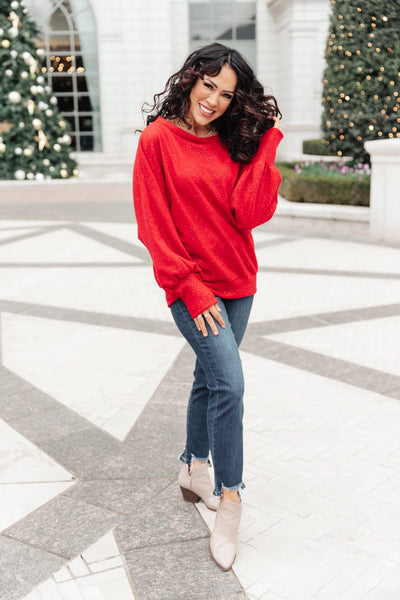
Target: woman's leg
x=239, y=312
x=219, y=365
x=197, y=444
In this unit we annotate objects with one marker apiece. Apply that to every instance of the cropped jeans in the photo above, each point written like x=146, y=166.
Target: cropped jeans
x=215, y=410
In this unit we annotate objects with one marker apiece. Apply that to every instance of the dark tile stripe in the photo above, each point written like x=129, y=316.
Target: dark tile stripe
x=180, y=570
x=72, y=440
x=113, y=242
x=64, y=526
x=42, y=230
x=88, y=317
x=21, y=566
x=337, y=317
x=320, y=364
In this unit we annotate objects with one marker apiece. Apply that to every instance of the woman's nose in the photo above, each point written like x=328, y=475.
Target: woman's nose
x=213, y=98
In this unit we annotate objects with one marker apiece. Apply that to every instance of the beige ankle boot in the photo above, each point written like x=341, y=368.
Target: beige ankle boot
x=223, y=543
x=197, y=484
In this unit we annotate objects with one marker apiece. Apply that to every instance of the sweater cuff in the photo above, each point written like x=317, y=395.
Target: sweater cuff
x=268, y=145
x=195, y=294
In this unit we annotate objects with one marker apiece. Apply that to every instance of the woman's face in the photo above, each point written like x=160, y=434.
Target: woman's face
x=211, y=96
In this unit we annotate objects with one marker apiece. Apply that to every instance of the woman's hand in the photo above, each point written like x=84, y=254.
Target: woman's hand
x=208, y=316
x=277, y=122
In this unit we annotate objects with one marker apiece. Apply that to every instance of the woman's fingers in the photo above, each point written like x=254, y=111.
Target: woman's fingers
x=209, y=319
x=201, y=324
x=216, y=312
x=276, y=120
x=208, y=316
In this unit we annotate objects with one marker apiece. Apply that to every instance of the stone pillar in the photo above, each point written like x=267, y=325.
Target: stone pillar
x=301, y=28
x=385, y=189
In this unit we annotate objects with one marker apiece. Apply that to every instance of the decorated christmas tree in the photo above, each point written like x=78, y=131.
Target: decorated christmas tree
x=361, y=98
x=34, y=139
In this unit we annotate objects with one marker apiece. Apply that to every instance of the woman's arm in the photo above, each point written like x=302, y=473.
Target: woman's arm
x=255, y=195
x=173, y=267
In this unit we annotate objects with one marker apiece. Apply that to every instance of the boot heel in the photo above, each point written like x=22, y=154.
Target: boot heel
x=189, y=496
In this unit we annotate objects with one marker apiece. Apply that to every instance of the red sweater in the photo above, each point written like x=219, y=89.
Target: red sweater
x=195, y=208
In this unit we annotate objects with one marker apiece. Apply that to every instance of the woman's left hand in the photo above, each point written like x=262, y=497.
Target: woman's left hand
x=277, y=122
x=207, y=317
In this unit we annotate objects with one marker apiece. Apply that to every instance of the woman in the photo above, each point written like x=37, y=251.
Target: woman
x=204, y=176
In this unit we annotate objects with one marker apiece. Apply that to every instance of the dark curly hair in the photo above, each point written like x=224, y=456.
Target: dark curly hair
x=248, y=115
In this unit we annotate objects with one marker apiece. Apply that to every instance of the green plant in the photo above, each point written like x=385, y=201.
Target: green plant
x=319, y=147
x=361, y=79
x=325, y=183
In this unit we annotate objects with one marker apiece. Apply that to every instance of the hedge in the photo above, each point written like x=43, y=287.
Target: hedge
x=319, y=147
x=322, y=190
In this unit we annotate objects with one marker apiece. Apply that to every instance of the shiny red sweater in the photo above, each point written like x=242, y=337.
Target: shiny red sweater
x=195, y=208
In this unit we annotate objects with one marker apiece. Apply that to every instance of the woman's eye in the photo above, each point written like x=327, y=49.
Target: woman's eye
x=209, y=86
x=228, y=97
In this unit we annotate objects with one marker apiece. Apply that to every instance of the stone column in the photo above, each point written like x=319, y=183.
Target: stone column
x=301, y=33
x=385, y=189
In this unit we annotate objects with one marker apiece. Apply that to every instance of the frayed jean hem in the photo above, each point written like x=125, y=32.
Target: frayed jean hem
x=188, y=460
x=235, y=488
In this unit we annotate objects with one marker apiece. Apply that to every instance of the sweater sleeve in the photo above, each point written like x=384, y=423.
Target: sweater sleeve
x=174, y=269
x=255, y=195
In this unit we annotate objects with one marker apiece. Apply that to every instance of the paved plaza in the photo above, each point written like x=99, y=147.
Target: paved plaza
x=94, y=382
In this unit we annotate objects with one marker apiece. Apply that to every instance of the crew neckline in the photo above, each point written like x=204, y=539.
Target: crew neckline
x=185, y=134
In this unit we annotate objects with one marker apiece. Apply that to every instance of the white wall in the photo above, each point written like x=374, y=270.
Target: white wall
x=139, y=45
x=301, y=28
x=267, y=52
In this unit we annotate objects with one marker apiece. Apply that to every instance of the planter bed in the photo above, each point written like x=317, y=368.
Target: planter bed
x=319, y=189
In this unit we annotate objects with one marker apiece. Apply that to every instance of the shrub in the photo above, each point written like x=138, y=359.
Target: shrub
x=320, y=147
x=321, y=183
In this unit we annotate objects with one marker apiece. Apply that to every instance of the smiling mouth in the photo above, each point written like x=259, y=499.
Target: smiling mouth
x=206, y=111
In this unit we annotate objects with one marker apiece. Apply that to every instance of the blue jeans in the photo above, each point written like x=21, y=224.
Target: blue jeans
x=215, y=409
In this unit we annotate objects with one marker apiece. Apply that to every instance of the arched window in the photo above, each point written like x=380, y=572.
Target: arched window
x=230, y=22
x=70, y=63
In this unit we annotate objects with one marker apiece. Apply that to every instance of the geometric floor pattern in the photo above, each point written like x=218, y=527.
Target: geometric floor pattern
x=98, y=573
x=94, y=381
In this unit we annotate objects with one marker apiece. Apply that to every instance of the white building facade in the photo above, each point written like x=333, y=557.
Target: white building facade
x=104, y=59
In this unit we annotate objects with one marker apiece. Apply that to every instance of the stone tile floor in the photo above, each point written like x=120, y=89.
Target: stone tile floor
x=94, y=380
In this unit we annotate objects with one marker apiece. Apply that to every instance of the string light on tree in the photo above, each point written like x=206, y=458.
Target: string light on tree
x=360, y=73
